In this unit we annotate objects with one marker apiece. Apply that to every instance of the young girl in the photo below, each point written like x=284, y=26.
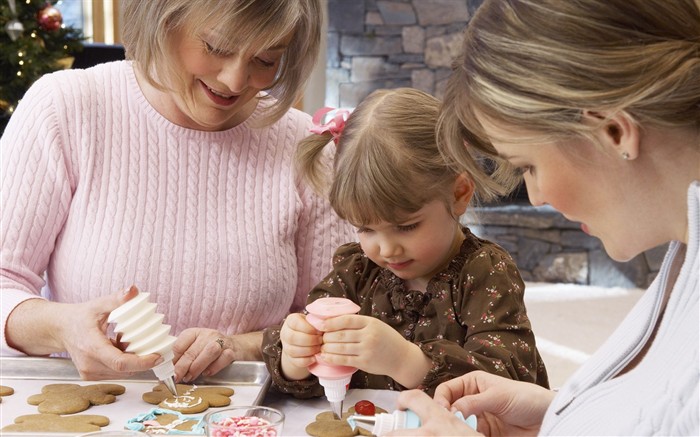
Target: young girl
x=436, y=301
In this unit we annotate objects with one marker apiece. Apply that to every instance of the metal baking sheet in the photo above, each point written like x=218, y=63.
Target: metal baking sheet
x=27, y=375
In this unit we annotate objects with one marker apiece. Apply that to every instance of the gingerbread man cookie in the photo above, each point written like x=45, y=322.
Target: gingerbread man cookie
x=57, y=423
x=327, y=425
x=5, y=391
x=191, y=399
x=74, y=398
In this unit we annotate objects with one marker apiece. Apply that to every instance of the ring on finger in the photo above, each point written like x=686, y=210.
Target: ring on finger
x=220, y=342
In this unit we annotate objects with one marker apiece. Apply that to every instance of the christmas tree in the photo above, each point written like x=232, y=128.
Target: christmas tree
x=33, y=42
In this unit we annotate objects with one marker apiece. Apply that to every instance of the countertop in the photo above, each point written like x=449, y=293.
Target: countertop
x=28, y=375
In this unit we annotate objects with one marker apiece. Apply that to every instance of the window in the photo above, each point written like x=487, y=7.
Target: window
x=99, y=19
x=72, y=12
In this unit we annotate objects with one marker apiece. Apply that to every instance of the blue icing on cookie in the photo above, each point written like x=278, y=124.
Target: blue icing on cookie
x=136, y=423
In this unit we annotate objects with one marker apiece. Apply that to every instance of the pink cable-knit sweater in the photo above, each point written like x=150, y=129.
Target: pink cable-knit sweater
x=99, y=191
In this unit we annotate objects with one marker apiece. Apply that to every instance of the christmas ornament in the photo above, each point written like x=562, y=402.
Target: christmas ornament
x=49, y=18
x=14, y=27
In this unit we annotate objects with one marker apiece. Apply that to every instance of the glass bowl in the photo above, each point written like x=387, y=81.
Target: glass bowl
x=244, y=421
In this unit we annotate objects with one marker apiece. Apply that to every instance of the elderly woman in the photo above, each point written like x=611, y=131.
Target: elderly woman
x=170, y=171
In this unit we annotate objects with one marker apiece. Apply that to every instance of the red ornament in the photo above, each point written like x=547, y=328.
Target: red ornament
x=49, y=18
x=365, y=408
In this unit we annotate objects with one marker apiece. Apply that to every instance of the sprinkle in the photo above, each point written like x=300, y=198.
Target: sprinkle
x=244, y=426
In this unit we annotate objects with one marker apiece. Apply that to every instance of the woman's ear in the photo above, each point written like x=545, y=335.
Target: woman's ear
x=463, y=192
x=618, y=132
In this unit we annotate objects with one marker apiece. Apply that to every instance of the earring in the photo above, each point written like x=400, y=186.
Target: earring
x=625, y=156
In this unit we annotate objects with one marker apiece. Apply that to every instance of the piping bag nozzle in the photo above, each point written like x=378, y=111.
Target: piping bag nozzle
x=165, y=372
x=337, y=409
x=170, y=384
x=335, y=390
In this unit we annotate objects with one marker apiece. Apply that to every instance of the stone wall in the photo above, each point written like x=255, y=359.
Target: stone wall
x=376, y=44
x=549, y=248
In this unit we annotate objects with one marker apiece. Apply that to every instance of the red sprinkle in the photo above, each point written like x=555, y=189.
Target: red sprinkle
x=366, y=408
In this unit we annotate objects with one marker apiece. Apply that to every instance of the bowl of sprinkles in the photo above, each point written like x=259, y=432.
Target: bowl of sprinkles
x=244, y=421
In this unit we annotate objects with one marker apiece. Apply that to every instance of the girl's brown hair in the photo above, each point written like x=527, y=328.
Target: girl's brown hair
x=387, y=165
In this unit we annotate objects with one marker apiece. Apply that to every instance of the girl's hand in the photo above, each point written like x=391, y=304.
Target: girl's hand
x=502, y=406
x=300, y=342
x=373, y=346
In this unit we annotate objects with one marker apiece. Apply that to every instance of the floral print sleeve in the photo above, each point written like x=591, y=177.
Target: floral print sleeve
x=486, y=326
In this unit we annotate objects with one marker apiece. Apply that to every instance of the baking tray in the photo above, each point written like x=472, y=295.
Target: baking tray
x=27, y=375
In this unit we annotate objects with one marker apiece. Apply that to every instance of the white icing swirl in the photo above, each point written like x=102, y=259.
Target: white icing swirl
x=182, y=401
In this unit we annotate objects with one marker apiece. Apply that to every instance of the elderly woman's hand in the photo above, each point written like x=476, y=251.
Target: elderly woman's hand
x=202, y=351
x=82, y=334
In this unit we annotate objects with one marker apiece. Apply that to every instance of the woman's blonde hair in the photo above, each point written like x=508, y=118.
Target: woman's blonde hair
x=242, y=25
x=387, y=165
x=538, y=64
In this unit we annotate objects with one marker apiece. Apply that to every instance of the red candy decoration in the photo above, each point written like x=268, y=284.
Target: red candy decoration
x=366, y=408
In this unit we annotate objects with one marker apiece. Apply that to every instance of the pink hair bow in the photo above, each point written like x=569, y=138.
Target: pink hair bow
x=335, y=125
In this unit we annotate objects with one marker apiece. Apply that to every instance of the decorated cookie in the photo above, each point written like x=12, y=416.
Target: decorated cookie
x=327, y=425
x=74, y=398
x=160, y=421
x=5, y=391
x=191, y=399
x=56, y=423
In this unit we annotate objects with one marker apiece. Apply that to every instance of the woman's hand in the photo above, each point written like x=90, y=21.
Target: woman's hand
x=39, y=327
x=502, y=406
x=202, y=351
x=435, y=419
x=300, y=342
x=95, y=355
x=373, y=346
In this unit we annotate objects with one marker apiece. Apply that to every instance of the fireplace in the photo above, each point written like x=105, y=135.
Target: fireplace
x=374, y=44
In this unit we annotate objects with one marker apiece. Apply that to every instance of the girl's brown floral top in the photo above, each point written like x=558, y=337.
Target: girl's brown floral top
x=472, y=317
